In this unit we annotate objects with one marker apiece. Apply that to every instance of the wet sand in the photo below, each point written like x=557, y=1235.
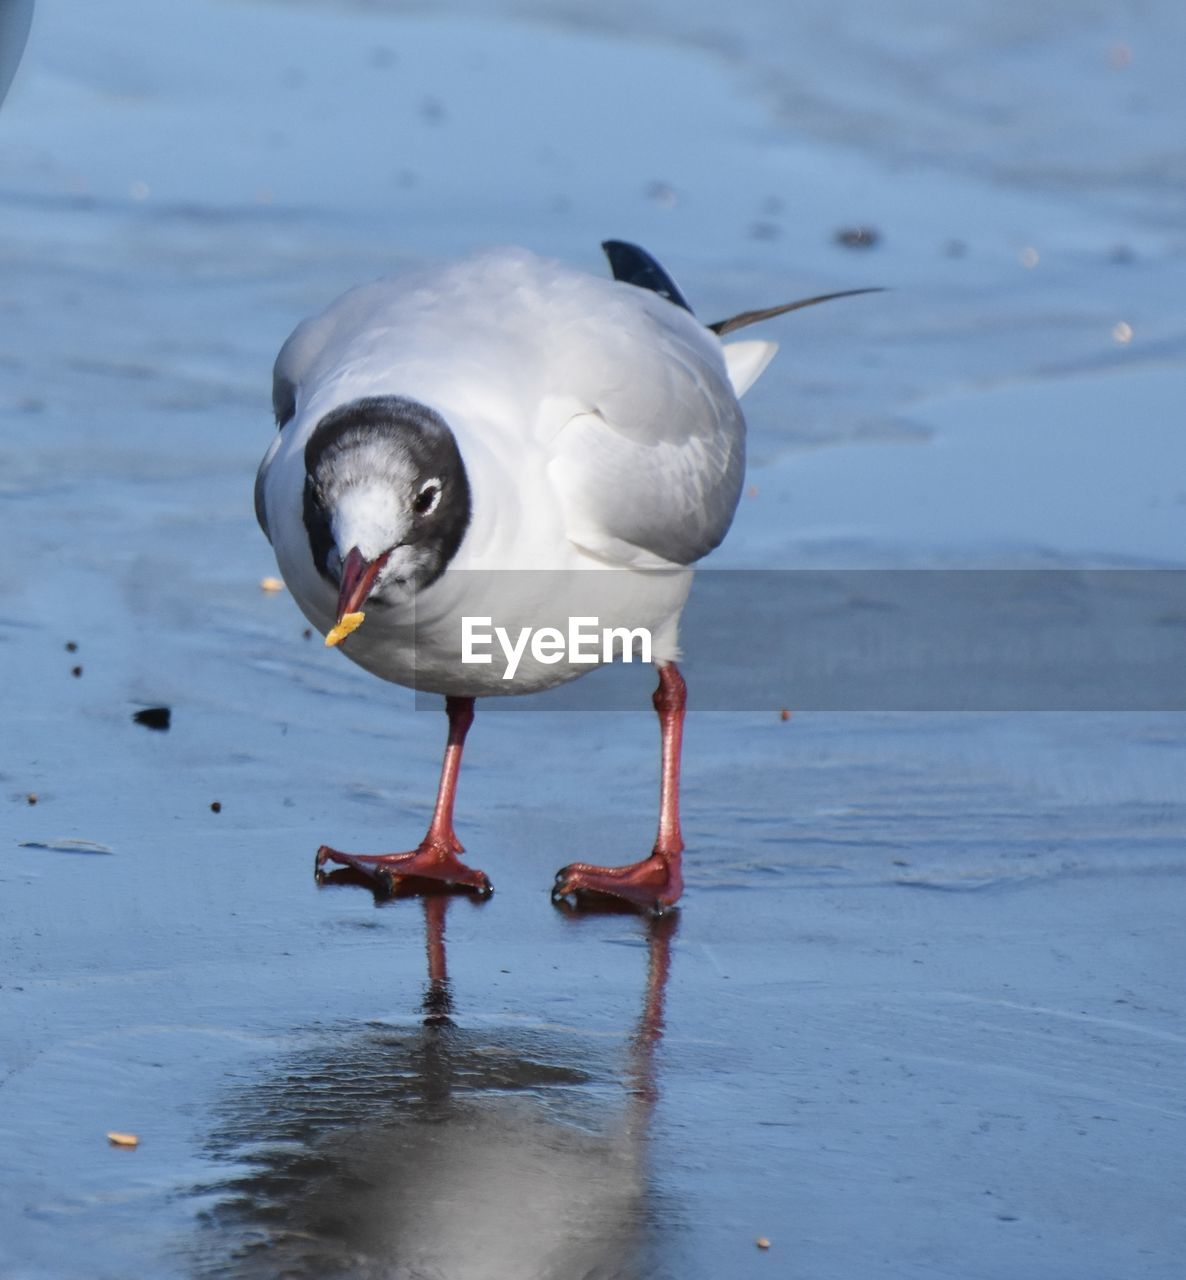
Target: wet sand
x=920, y=1013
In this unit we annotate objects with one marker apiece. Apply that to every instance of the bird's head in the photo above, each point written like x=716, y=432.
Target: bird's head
x=387, y=503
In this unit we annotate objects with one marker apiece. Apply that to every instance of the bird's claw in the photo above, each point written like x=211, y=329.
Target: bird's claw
x=650, y=888
x=391, y=882
x=395, y=875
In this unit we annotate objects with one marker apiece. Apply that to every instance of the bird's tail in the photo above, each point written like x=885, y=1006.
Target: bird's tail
x=745, y=361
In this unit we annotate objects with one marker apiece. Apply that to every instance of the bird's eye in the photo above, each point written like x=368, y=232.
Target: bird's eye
x=427, y=498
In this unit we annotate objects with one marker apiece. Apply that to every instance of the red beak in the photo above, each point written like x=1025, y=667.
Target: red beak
x=358, y=580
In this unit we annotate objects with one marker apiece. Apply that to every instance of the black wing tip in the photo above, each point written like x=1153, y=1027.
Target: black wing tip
x=632, y=264
x=283, y=401
x=618, y=250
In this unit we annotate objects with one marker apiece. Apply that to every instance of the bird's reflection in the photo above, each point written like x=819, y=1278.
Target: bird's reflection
x=443, y=1152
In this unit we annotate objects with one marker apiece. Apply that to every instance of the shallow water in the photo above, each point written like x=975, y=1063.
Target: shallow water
x=920, y=1013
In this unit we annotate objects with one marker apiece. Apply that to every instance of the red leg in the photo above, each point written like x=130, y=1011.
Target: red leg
x=436, y=857
x=656, y=882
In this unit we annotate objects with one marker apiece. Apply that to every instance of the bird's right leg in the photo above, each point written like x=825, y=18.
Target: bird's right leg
x=436, y=856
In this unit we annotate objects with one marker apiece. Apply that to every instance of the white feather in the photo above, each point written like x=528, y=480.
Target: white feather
x=746, y=362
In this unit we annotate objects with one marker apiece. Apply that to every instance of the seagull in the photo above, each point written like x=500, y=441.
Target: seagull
x=510, y=442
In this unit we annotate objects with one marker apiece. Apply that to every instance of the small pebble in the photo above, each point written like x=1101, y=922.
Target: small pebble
x=31, y=798
x=784, y=715
x=76, y=672
x=216, y=806
x=158, y=718
x=432, y=111
x=762, y=1242
x=857, y=237
x=71, y=646
x=271, y=584
x=123, y=1139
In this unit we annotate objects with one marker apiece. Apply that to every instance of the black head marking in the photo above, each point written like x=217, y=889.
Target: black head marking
x=397, y=441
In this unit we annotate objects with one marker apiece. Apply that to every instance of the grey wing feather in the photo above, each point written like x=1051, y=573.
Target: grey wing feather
x=261, y=479
x=304, y=345
x=651, y=474
x=293, y=362
x=647, y=506
x=297, y=355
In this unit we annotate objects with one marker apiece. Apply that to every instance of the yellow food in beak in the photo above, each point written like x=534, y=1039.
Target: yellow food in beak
x=350, y=623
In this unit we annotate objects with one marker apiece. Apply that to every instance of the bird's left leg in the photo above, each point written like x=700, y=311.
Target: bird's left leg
x=436, y=856
x=656, y=882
